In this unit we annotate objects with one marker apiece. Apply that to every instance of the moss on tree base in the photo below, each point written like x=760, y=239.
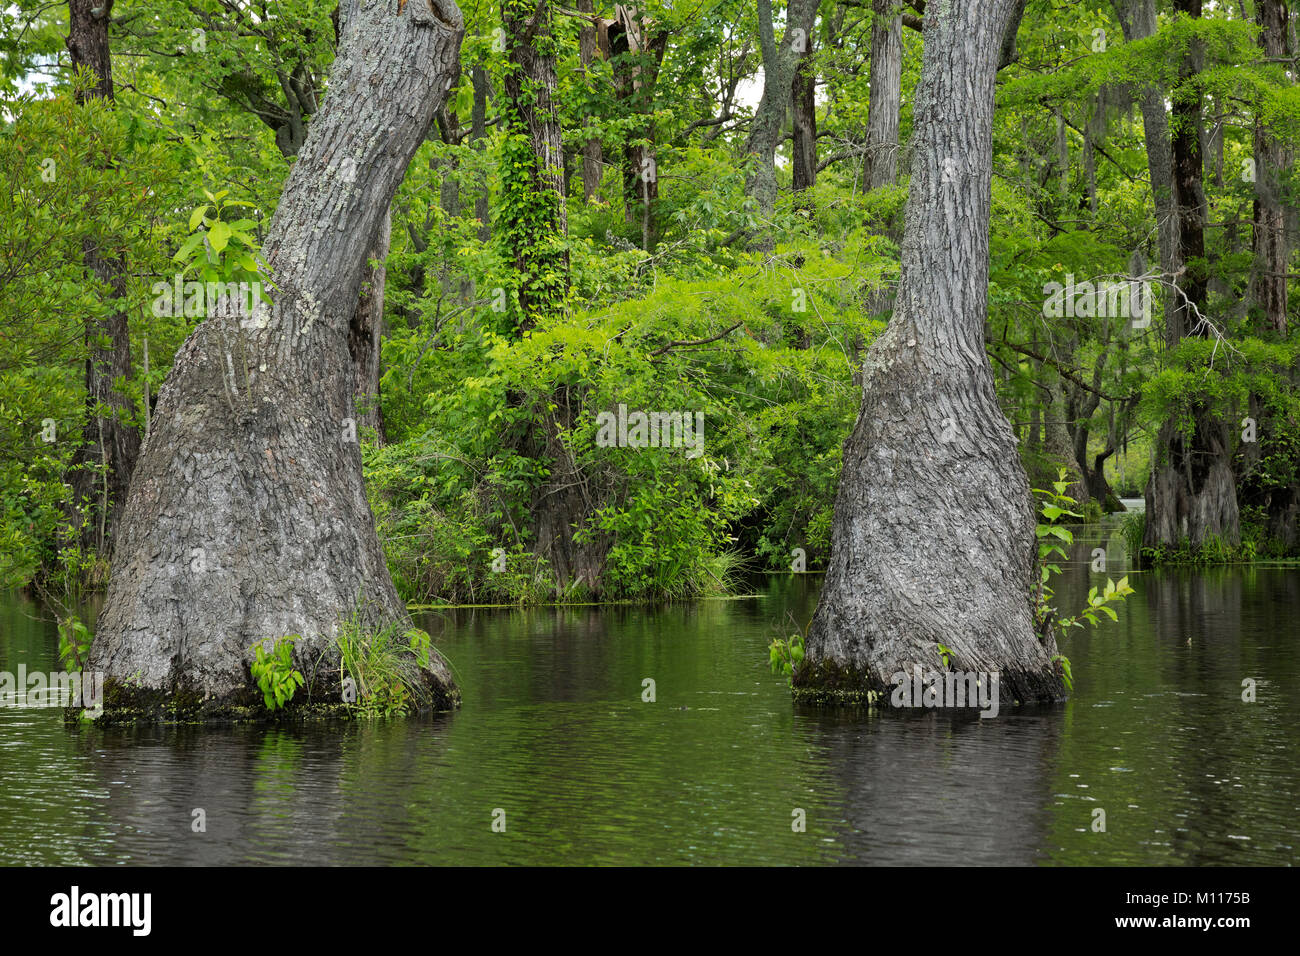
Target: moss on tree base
x=126, y=704
x=826, y=683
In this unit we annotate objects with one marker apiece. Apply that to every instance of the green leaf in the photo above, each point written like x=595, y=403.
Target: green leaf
x=196, y=217
x=187, y=247
x=219, y=236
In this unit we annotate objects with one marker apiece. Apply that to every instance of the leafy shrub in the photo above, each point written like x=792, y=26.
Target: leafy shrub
x=767, y=358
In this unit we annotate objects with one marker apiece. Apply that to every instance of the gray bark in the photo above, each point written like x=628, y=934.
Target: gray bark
x=1138, y=20
x=886, y=94
x=247, y=519
x=365, y=334
x=366, y=330
x=592, y=158
x=933, y=535
x=779, y=62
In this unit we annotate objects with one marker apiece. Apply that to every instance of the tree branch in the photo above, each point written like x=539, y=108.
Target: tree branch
x=677, y=345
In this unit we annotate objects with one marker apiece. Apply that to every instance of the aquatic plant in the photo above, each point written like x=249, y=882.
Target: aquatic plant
x=785, y=654
x=384, y=665
x=274, y=672
x=1133, y=528
x=74, y=641
x=1055, y=504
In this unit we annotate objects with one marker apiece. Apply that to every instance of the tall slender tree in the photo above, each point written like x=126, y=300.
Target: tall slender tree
x=534, y=224
x=637, y=45
x=886, y=93
x=1192, y=494
x=779, y=63
x=803, y=115
x=588, y=52
x=1269, y=277
x=1137, y=20
x=103, y=465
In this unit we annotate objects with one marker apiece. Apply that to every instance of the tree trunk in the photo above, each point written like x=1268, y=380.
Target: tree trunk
x=478, y=136
x=592, y=158
x=88, y=44
x=803, y=112
x=638, y=47
x=102, y=467
x=779, y=63
x=1268, y=279
x=536, y=243
x=561, y=504
x=1191, y=494
x=933, y=535
x=248, y=518
x=366, y=330
x=1189, y=195
x=1098, y=484
x=543, y=266
x=1138, y=20
x=365, y=334
x=886, y=94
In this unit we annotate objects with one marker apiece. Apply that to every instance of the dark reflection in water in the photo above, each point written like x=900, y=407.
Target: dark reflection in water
x=555, y=734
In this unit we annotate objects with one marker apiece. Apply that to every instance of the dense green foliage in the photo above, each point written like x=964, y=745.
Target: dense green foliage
x=491, y=409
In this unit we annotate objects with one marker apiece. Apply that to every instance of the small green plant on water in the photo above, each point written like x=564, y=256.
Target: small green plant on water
x=1132, y=529
x=274, y=671
x=1099, y=603
x=384, y=665
x=64, y=591
x=74, y=642
x=1052, y=539
x=785, y=654
x=1066, y=674
x=421, y=643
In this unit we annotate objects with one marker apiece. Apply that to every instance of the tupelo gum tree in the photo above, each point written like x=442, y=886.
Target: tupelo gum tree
x=1191, y=494
x=247, y=518
x=933, y=535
